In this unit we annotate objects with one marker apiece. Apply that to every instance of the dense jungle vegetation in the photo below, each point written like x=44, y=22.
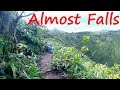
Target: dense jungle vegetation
x=83, y=55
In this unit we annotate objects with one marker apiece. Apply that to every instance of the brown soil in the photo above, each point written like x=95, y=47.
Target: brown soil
x=46, y=68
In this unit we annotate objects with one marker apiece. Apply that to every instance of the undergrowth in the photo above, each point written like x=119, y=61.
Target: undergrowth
x=17, y=65
x=74, y=65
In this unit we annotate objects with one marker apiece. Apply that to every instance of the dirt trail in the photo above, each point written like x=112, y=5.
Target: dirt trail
x=45, y=66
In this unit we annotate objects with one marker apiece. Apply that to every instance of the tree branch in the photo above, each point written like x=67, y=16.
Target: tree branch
x=28, y=15
x=21, y=13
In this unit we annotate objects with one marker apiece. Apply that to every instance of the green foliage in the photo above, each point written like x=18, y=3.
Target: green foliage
x=23, y=67
x=86, y=38
x=75, y=66
x=103, y=46
x=13, y=61
x=17, y=65
x=5, y=47
x=69, y=54
x=27, y=34
x=84, y=49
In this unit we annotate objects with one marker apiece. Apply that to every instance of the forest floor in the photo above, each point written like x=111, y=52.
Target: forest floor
x=46, y=67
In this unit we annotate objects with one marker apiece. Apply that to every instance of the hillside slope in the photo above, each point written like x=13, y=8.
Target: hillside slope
x=76, y=65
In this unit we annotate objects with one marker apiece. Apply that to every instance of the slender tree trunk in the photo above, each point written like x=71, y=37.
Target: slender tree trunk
x=14, y=33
